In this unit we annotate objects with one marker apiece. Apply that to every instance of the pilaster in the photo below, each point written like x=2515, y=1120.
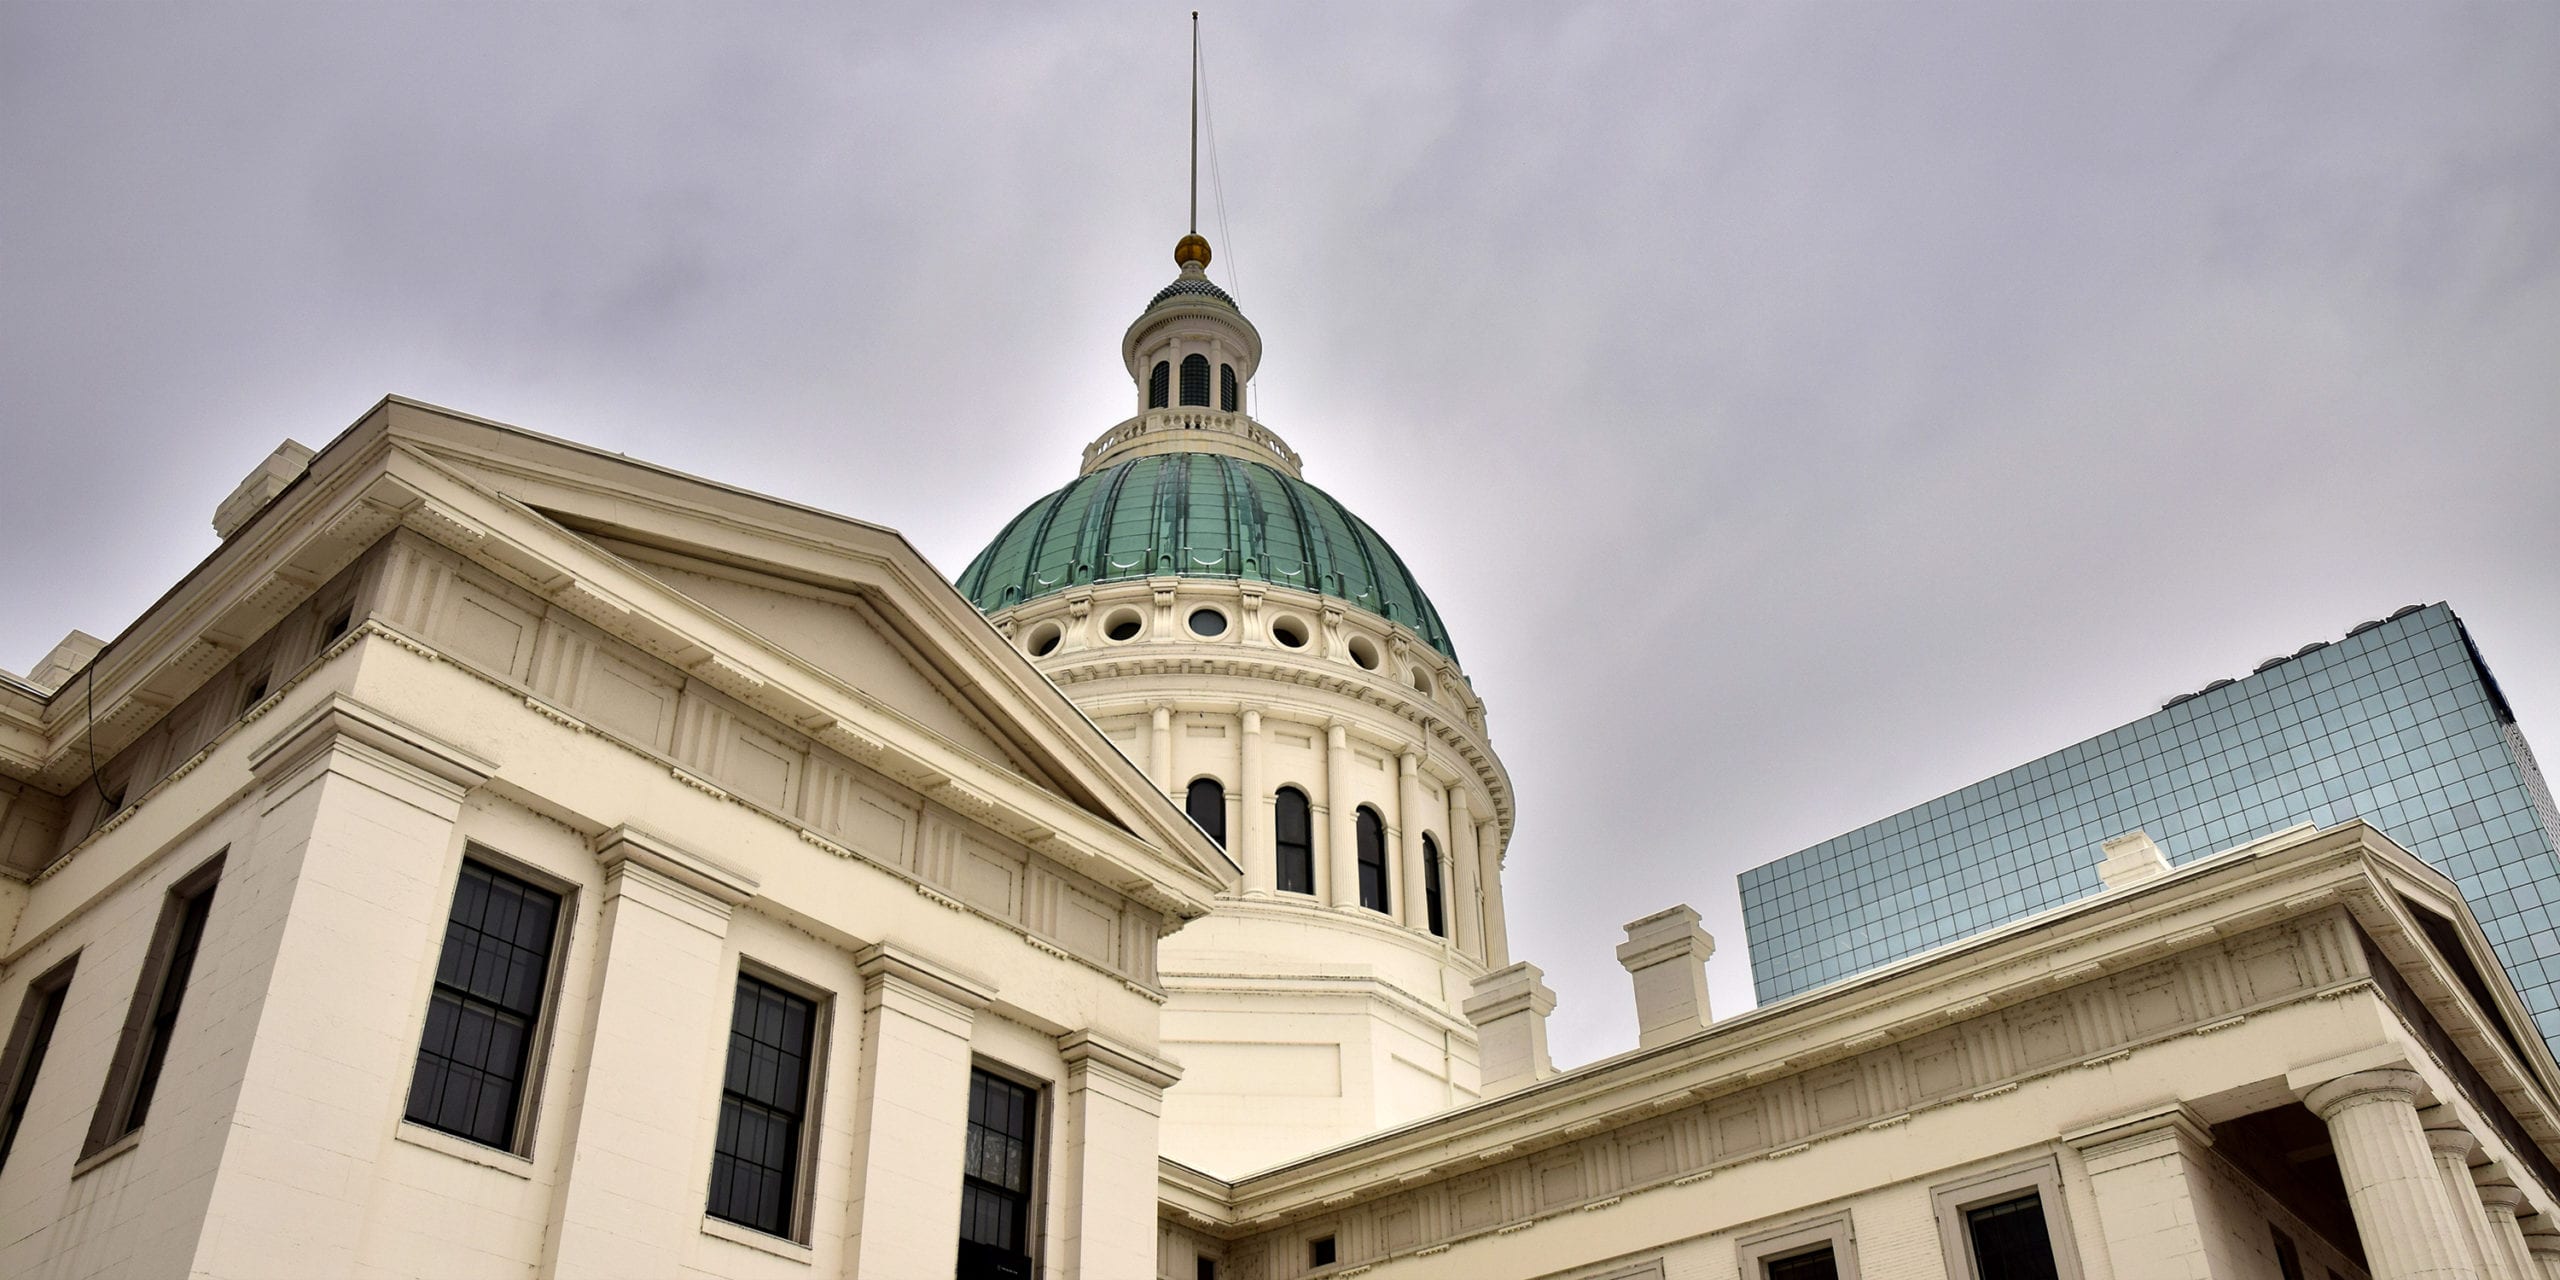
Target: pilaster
x=1497, y=930
x=1160, y=747
x=1410, y=820
x=911, y=1112
x=1253, y=814
x=2155, y=1210
x=1342, y=843
x=1108, y=1122
x=335, y=902
x=640, y=1149
x=1464, y=927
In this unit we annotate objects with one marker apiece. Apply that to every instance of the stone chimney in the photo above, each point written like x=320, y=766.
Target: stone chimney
x=1666, y=953
x=260, y=487
x=65, y=661
x=2131, y=859
x=1510, y=1008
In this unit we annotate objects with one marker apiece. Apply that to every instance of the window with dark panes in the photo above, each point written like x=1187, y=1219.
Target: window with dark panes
x=134, y=1081
x=1372, y=831
x=995, y=1189
x=764, y=1103
x=1813, y=1264
x=1227, y=387
x=1160, y=385
x=1435, y=915
x=29, y=1036
x=2288, y=1257
x=1293, y=840
x=476, y=1054
x=1195, y=380
x=1206, y=802
x=2009, y=1240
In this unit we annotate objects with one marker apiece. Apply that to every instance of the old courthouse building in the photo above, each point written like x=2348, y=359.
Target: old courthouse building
x=502, y=858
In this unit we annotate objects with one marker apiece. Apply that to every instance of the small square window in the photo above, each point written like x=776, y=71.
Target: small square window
x=1320, y=1252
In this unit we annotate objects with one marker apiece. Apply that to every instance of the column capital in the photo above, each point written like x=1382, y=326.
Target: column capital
x=2543, y=1242
x=701, y=873
x=889, y=965
x=1088, y=1049
x=2504, y=1196
x=2389, y=1084
x=1409, y=763
x=1252, y=720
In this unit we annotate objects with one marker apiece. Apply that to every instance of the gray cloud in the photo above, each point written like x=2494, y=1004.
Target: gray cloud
x=1796, y=411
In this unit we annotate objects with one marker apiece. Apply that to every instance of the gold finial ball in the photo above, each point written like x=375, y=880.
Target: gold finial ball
x=1190, y=249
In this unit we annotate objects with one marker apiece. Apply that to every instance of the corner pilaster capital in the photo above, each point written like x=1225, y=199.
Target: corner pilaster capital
x=702, y=873
x=2141, y=1136
x=342, y=724
x=887, y=966
x=1088, y=1051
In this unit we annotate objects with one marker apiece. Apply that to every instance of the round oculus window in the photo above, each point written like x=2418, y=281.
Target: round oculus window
x=1123, y=625
x=1208, y=622
x=1290, y=632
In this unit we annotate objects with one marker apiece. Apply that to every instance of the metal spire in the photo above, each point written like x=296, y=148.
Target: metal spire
x=1195, y=122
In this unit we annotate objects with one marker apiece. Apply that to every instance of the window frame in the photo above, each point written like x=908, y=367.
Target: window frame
x=2043, y=1176
x=538, y=1036
x=1182, y=382
x=1308, y=846
x=1035, y=1198
x=31, y=1033
x=112, y=1122
x=1363, y=819
x=813, y=1094
x=1160, y=385
x=1833, y=1230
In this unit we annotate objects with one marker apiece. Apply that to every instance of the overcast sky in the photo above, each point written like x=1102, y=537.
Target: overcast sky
x=1796, y=412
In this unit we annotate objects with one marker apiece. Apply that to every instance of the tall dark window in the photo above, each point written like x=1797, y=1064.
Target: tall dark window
x=1195, y=380
x=1206, y=802
x=1160, y=386
x=474, y=1059
x=1373, y=860
x=764, y=1103
x=29, y=1037
x=2009, y=1240
x=1435, y=915
x=1813, y=1264
x=2288, y=1258
x=995, y=1191
x=1293, y=841
x=151, y=1022
x=1227, y=387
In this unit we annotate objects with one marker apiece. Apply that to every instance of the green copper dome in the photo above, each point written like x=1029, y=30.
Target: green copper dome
x=1198, y=515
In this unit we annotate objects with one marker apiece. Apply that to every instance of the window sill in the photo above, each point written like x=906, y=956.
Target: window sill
x=722, y=1228
x=506, y=1162
x=107, y=1153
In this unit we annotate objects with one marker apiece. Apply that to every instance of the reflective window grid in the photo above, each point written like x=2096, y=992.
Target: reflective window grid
x=2400, y=725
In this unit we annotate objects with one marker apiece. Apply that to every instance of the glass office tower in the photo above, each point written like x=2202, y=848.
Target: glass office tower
x=2399, y=724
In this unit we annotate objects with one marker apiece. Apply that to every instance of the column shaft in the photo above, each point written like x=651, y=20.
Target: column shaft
x=1160, y=747
x=2509, y=1258
x=1253, y=847
x=1411, y=818
x=1462, y=880
x=2451, y=1147
x=640, y=1152
x=911, y=1116
x=2410, y=1231
x=1342, y=842
x=1497, y=931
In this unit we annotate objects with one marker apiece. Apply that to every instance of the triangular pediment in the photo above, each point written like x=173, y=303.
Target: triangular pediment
x=804, y=596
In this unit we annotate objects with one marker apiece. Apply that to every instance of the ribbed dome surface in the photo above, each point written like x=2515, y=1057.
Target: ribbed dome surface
x=1198, y=515
x=1191, y=286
